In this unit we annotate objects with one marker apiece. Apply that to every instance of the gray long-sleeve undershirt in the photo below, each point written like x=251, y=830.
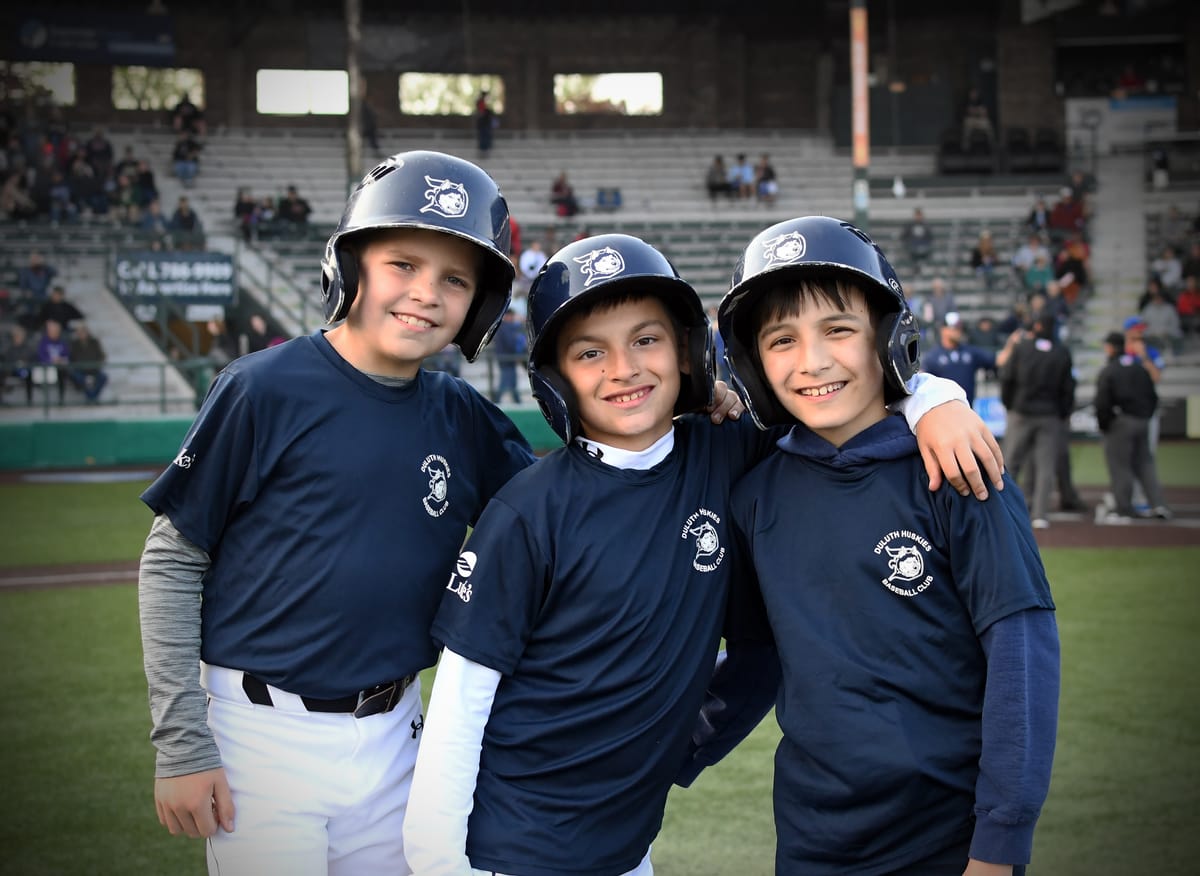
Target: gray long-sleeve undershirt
x=169, y=588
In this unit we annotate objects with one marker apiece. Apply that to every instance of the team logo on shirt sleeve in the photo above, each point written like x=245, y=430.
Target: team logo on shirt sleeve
x=702, y=528
x=437, y=500
x=905, y=552
x=460, y=578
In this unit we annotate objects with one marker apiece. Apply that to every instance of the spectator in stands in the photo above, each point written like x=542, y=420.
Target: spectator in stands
x=1026, y=256
x=123, y=202
x=485, y=124
x=153, y=226
x=1153, y=287
x=87, y=358
x=1073, y=267
x=54, y=352
x=98, y=151
x=185, y=158
x=187, y=232
x=975, y=117
x=87, y=189
x=562, y=196
x=1169, y=269
x=514, y=240
x=917, y=238
x=1188, y=306
x=62, y=205
x=510, y=347
x=222, y=347
x=986, y=334
x=187, y=118
x=34, y=280
x=530, y=263
x=1054, y=304
x=16, y=201
x=56, y=308
x=145, y=187
x=985, y=259
x=293, y=212
x=1038, y=220
x=19, y=354
x=127, y=165
x=1191, y=262
x=1066, y=217
x=246, y=213
x=931, y=309
x=258, y=336
x=268, y=215
x=1130, y=81
x=741, y=177
x=766, y=182
x=1176, y=228
x=716, y=180
x=1163, y=328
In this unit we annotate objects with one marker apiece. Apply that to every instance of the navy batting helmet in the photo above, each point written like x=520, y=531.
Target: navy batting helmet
x=813, y=247
x=579, y=274
x=437, y=192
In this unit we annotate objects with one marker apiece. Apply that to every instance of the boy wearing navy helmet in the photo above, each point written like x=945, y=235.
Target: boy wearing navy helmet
x=915, y=629
x=302, y=535
x=581, y=623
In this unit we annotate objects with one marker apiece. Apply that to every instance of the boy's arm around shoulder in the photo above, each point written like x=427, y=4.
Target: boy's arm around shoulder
x=191, y=794
x=443, y=788
x=953, y=439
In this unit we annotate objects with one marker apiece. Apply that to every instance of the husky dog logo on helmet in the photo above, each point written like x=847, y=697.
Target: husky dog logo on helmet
x=600, y=264
x=784, y=248
x=709, y=552
x=446, y=198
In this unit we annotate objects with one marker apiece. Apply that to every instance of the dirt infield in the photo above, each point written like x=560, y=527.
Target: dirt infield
x=1067, y=529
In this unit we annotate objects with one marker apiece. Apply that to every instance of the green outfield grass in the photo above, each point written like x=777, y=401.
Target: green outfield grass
x=78, y=763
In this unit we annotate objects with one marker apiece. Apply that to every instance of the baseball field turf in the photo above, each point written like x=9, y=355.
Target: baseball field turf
x=77, y=762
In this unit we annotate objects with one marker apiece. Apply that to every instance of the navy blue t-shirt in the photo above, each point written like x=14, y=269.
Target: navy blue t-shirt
x=599, y=594
x=877, y=592
x=332, y=508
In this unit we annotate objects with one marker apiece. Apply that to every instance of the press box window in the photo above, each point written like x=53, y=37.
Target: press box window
x=617, y=94
x=448, y=94
x=303, y=92
x=155, y=88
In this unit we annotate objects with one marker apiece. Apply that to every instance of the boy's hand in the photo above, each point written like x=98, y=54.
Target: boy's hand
x=195, y=804
x=726, y=403
x=954, y=440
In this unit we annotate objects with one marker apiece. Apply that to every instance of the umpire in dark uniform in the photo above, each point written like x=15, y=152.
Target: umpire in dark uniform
x=1038, y=391
x=1125, y=403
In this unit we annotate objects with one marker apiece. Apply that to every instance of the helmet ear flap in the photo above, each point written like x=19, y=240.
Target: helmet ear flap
x=339, y=282
x=557, y=401
x=699, y=352
x=898, y=341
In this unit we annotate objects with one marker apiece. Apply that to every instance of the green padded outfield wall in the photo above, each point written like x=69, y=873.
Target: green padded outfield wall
x=48, y=445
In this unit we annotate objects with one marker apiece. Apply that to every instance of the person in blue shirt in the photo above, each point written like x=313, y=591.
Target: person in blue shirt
x=959, y=361
x=915, y=629
x=302, y=533
x=581, y=623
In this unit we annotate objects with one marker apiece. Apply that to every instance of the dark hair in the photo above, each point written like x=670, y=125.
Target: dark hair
x=787, y=299
x=593, y=304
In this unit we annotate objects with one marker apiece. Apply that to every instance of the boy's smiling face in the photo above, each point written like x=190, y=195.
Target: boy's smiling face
x=623, y=363
x=821, y=364
x=415, y=287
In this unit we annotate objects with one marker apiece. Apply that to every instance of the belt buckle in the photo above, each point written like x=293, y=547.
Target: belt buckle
x=381, y=698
